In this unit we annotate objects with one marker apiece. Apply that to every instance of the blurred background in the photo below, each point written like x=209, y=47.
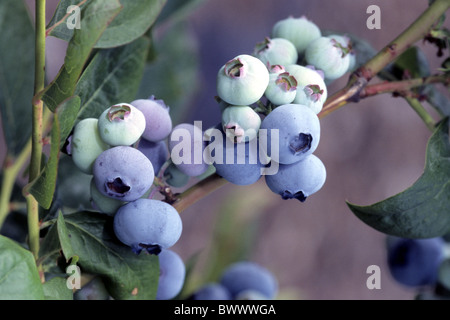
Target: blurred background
x=372, y=150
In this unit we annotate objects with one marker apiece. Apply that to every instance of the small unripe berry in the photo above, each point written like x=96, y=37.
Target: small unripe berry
x=121, y=125
x=276, y=51
x=240, y=123
x=328, y=55
x=242, y=80
x=300, y=31
x=282, y=88
x=86, y=144
x=311, y=88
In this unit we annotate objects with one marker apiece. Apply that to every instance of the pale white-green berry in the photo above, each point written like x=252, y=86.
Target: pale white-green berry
x=121, y=125
x=328, y=55
x=276, y=51
x=86, y=144
x=300, y=31
x=242, y=80
x=311, y=88
x=240, y=123
x=282, y=88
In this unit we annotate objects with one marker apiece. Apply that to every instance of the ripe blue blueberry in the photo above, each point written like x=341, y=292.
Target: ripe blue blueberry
x=211, y=291
x=93, y=290
x=157, y=118
x=156, y=152
x=121, y=125
x=276, y=51
x=147, y=224
x=298, y=180
x=172, y=273
x=415, y=262
x=238, y=163
x=86, y=144
x=298, y=131
x=186, y=147
x=245, y=275
x=242, y=80
x=300, y=31
x=123, y=173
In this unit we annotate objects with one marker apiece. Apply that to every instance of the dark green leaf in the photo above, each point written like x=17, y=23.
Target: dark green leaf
x=126, y=275
x=163, y=78
x=438, y=100
x=19, y=277
x=95, y=18
x=56, y=289
x=60, y=16
x=421, y=211
x=131, y=23
x=67, y=114
x=113, y=76
x=413, y=62
x=64, y=238
x=16, y=76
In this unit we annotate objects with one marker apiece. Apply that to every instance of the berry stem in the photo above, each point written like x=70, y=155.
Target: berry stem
x=422, y=112
x=198, y=191
x=37, y=129
x=361, y=77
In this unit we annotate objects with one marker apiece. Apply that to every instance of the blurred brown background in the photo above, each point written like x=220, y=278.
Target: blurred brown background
x=372, y=150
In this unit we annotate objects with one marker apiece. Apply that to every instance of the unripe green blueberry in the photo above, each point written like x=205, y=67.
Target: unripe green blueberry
x=282, y=88
x=175, y=177
x=121, y=124
x=346, y=42
x=300, y=31
x=328, y=55
x=242, y=80
x=276, y=51
x=104, y=203
x=86, y=144
x=240, y=123
x=311, y=88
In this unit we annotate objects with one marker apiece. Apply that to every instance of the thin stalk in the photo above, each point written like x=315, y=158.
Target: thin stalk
x=422, y=112
x=37, y=129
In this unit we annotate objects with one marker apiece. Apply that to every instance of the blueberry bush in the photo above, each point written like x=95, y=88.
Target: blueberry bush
x=100, y=162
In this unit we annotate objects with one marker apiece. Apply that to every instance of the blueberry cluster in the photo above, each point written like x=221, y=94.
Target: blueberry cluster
x=270, y=101
x=123, y=149
x=243, y=280
x=418, y=263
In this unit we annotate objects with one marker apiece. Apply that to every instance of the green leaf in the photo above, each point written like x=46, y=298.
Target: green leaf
x=56, y=289
x=437, y=100
x=413, y=61
x=113, y=76
x=131, y=23
x=16, y=76
x=67, y=113
x=95, y=18
x=19, y=277
x=126, y=275
x=60, y=16
x=421, y=211
x=64, y=238
x=163, y=78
